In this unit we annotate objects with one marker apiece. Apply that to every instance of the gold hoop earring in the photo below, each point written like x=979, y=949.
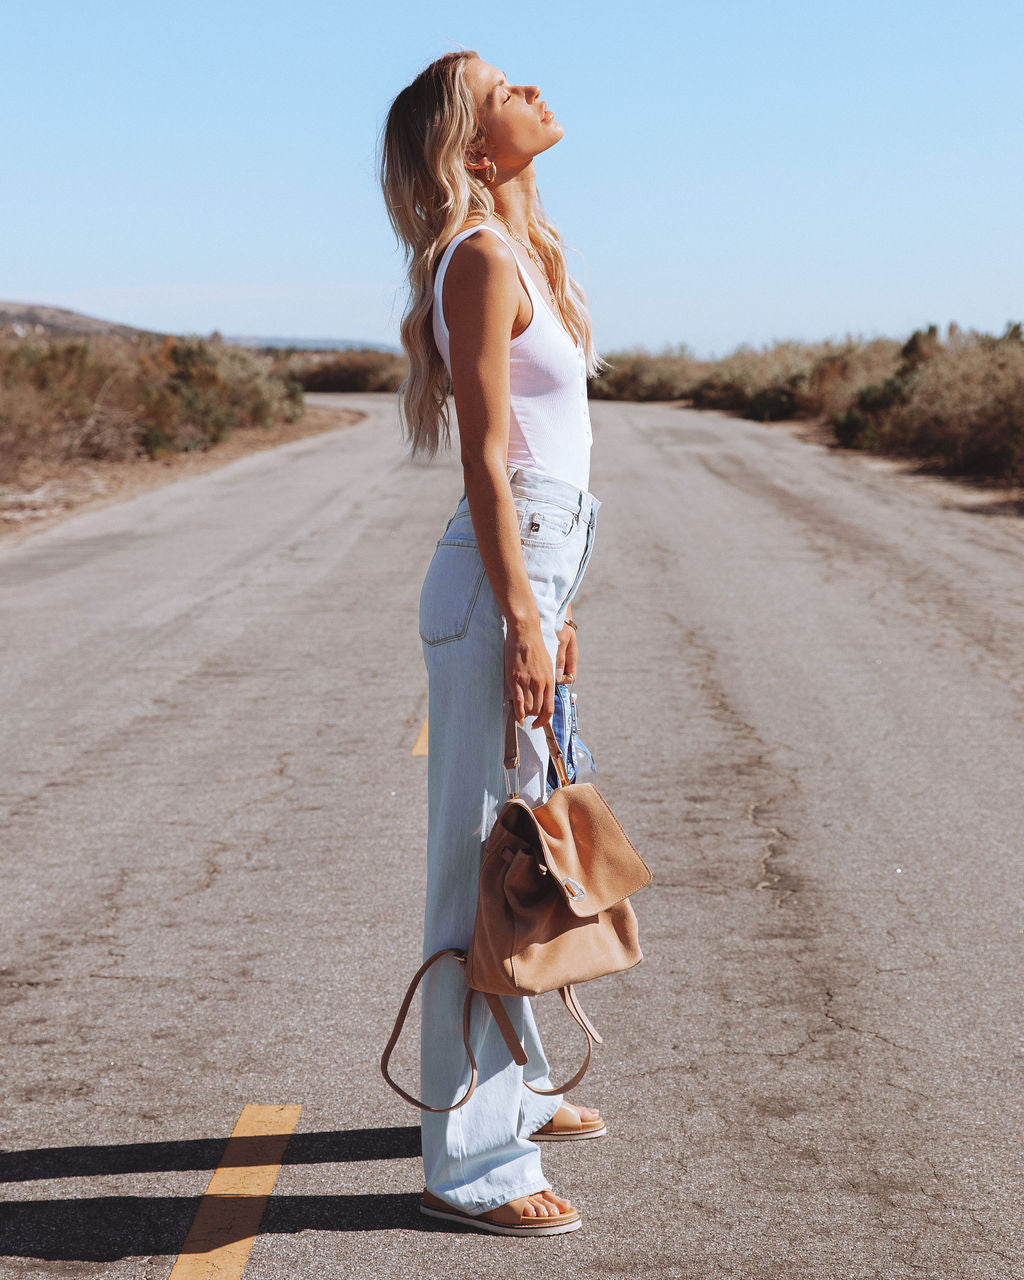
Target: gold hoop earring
x=490, y=173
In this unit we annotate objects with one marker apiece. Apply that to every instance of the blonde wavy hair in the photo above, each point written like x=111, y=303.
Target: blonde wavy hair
x=430, y=195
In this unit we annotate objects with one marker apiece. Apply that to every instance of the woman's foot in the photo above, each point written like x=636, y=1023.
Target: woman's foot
x=542, y=1214
x=544, y=1204
x=571, y=1123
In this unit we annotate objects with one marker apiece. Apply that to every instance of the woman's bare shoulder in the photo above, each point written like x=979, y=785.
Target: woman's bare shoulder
x=481, y=261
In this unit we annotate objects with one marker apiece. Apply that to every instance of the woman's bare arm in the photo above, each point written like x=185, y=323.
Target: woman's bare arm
x=568, y=651
x=481, y=302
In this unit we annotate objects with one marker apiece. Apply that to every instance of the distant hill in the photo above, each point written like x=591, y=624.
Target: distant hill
x=314, y=344
x=34, y=317
x=37, y=318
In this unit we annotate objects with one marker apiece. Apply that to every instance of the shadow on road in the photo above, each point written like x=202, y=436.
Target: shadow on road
x=334, y=1146
x=105, y=1228
x=1004, y=507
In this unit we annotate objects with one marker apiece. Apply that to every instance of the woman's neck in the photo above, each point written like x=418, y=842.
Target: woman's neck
x=515, y=198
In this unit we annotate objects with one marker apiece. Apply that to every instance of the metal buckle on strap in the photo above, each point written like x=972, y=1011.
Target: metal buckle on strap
x=509, y=774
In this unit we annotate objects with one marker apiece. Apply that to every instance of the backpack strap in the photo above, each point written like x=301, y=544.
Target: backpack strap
x=571, y=1002
x=400, y=1023
x=504, y=1024
x=511, y=759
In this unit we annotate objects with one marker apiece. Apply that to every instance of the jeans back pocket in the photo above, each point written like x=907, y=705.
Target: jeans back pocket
x=450, y=591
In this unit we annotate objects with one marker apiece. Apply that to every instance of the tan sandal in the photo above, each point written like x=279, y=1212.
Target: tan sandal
x=567, y=1125
x=506, y=1220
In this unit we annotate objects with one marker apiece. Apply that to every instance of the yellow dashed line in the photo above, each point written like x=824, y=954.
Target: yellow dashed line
x=229, y=1215
x=419, y=747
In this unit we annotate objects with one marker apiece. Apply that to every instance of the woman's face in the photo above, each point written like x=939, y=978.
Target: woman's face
x=514, y=117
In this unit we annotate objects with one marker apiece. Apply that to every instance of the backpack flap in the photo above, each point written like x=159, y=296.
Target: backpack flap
x=586, y=851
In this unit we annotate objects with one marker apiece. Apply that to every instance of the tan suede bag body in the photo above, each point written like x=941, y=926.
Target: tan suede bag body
x=552, y=909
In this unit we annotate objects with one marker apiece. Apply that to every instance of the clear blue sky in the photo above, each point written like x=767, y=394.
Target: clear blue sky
x=734, y=171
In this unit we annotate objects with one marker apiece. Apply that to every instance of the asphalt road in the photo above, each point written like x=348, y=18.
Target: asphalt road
x=802, y=678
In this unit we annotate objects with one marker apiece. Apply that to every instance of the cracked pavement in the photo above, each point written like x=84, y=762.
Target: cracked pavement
x=802, y=676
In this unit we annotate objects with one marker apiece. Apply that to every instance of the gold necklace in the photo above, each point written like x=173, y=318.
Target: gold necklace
x=530, y=250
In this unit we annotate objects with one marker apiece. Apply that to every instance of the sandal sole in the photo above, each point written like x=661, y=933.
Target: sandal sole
x=569, y=1135
x=498, y=1228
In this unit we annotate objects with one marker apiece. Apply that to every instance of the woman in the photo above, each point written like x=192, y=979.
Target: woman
x=493, y=317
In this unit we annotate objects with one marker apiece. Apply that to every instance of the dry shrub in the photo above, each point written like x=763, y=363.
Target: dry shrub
x=356, y=370
x=842, y=371
x=965, y=409
x=958, y=403
x=637, y=375
x=784, y=380
x=768, y=385
x=116, y=398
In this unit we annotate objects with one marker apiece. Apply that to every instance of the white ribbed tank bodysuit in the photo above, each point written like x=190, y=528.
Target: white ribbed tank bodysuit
x=549, y=420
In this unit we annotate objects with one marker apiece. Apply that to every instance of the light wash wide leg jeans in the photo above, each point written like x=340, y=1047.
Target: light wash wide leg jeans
x=481, y=1156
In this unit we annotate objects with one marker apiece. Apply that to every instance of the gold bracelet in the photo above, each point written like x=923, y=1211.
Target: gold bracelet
x=569, y=623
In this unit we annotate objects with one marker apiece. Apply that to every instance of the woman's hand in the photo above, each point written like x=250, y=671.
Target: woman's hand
x=529, y=676
x=568, y=655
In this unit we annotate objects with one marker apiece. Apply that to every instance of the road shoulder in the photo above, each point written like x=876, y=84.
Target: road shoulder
x=60, y=490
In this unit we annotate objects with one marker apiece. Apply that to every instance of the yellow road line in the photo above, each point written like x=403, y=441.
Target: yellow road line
x=419, y=747
x=229, y=1215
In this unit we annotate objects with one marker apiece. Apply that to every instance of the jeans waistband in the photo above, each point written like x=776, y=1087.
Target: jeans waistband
x=525, y=483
